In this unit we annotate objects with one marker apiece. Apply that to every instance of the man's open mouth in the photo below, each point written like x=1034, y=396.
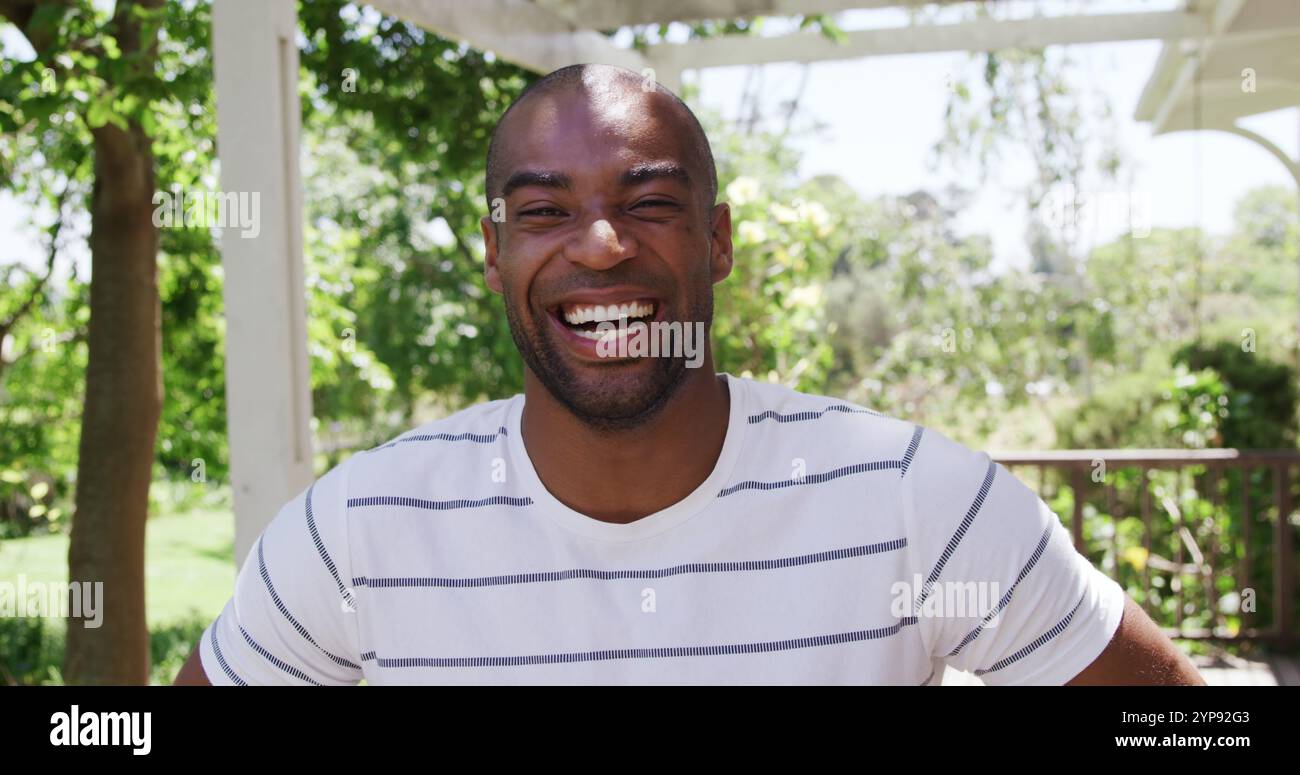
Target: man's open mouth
x=585, y=319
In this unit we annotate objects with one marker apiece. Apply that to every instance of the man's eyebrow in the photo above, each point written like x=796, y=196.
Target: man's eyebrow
x=543, y=178
x=664, y=169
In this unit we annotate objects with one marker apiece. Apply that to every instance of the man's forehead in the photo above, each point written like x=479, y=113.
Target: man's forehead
x=577, y=131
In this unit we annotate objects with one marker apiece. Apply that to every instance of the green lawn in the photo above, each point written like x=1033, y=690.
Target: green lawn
x=189, y=575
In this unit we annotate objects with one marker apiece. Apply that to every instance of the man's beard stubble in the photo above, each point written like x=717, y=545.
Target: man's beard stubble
x=621, y=402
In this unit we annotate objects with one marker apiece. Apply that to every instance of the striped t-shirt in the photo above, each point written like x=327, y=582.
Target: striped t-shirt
x=830, y=545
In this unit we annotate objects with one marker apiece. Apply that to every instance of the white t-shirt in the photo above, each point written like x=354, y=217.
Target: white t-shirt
x=830, y=545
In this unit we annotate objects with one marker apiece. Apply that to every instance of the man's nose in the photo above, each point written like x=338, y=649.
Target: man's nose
x=599, y=246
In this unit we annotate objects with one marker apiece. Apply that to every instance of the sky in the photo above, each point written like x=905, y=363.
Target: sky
x=884, y=115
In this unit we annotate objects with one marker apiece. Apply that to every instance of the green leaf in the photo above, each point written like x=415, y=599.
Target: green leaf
x=98, y=114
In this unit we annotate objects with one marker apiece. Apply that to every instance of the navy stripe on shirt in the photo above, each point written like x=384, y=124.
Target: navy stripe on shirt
x=615, y=575
x=957, y=536
x=645, y=653
x=1033, y=560
x=421, y=503
x=344, y=592
x=1039, y=641
x=221, y=660
x=477, y=438
x=806, y=416
x=273, y=659
x=857, y=468
x=279, y=604
x=911, y=450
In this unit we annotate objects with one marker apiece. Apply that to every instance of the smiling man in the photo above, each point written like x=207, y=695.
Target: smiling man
x=636, y=517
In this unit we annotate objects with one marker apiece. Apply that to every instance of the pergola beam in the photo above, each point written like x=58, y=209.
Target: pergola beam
x=1222, y=18
x=516, y=31
x=1292, y=165
x=981, y=35
x=268, y=375
x=610, y=15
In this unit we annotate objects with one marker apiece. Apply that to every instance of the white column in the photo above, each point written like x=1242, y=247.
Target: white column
x=268, y=396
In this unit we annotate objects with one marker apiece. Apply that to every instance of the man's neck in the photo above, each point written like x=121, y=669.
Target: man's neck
x=622, y=476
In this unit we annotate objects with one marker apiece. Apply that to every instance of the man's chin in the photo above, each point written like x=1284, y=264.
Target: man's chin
x=616, y=394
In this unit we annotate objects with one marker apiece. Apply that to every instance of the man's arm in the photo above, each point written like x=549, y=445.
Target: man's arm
x=1139, y=655
x=1052, y=617
x=289, y=620
x=191, y=673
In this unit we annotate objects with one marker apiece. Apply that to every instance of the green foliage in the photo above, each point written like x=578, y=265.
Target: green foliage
x=1210, y=395
x=1257, y=396
x=769, y=315
x=31, y=650
x=40, y=404
x=191, y=569
x=394, y=318
x=397, y=122
x=81, y=80
x=1126, y=410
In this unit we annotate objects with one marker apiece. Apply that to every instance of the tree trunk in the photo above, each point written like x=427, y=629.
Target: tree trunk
x=119, y=424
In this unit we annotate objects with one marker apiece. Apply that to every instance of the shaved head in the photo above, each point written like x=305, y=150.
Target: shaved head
x=604, y=87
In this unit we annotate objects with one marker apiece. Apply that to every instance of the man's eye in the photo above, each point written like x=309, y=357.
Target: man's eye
x=545, y=212
x=654, y=203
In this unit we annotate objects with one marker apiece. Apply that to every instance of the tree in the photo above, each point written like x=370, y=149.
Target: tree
x=95, y=84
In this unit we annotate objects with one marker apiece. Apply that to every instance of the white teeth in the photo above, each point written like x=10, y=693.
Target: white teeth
x=594, y=335
x=577, y=315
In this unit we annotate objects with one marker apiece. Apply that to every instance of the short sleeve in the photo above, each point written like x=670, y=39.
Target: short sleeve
x=999, y=589
x=291, y=619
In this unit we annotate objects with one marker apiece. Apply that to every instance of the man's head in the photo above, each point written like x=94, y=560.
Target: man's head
x=606, y=185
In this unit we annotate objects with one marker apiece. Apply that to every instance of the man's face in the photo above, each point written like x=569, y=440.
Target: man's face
x=604, y=206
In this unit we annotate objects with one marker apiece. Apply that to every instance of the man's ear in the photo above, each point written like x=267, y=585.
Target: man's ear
x=722, y=259
x=490, y=271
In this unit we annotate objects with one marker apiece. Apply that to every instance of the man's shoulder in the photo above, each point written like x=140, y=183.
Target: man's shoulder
x=431, y=452
x=775, y=412
x=779, y=415
x=483, y=423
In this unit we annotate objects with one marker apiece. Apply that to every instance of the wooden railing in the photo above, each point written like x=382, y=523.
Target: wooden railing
x=1203, y=539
